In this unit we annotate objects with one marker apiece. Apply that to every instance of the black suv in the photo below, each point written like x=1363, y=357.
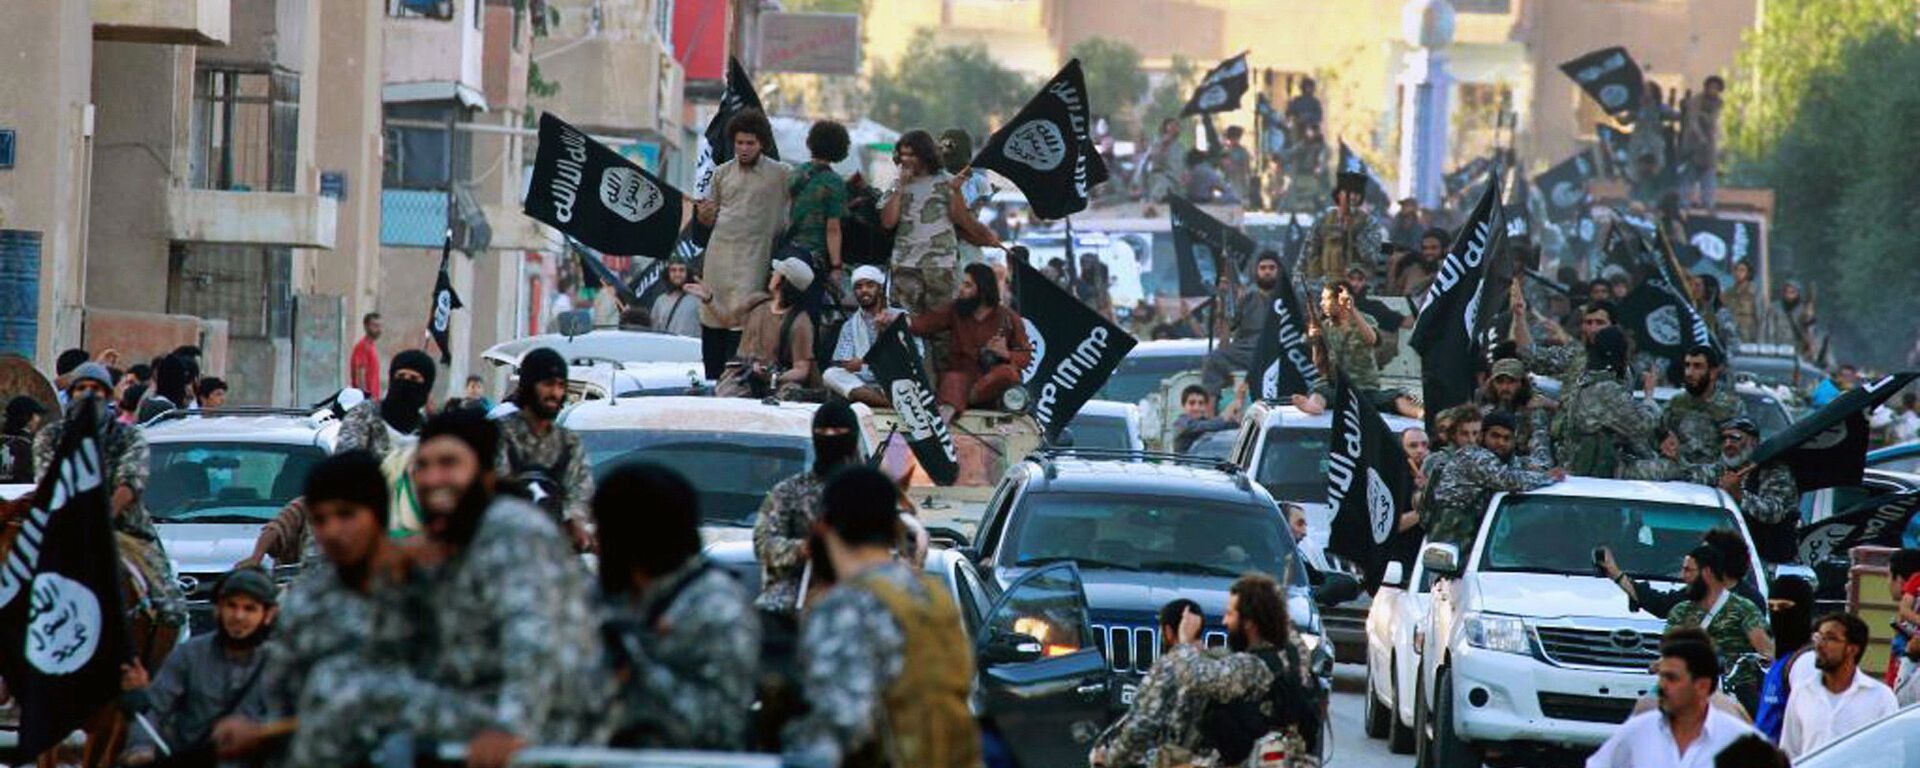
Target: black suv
x=1144, y=529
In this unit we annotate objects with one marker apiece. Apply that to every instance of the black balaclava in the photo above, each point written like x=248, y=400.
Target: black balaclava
x=404, y=399
x=20, y=410
x=1608, y=351
x=170, y=378
x=831, y=452
x=540, y=365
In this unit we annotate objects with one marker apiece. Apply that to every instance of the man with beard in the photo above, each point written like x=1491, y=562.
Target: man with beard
x=1475, y=471
x=515, y=654
x=1767, y=494
x=210, y=677
x=322, y=668
x=682, y=631
x=123, y=450
x=1344, y=234
x=1600, y=424
x=987, y=344
x=374, y=426
x=672, y=311
x=928, y=214
x=1562, y=360
x=776, y=338
x=1694, y=416
x=1789, y=321
x=1845, y=699
x=1158, y=722
x=848, y=376
x=1404, y=279
x=883, y=658
x=1687, y=730
x=1736, y=625
x=546, y=459
x=1510, y=389
x=747, y=210
x=792, y=506
x=1643, y=596
x=1250, y=311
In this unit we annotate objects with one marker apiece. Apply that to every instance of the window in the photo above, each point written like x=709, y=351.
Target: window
x=1047, y=606
x=1648, y=540
x=420, y=153
x=1154, y=533
x=421, y=9
x=731, y=471
x=245, y=130
x=248, y=286
x=225, y=482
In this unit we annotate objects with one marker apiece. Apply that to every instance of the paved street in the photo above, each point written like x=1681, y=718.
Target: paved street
x=1351, y=747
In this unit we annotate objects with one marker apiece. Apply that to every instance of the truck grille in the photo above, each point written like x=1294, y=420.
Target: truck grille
x=1133, y=648
x=1586, y=709
x=1619, y=648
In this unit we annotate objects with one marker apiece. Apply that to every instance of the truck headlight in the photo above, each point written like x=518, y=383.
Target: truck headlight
x=1498, y=633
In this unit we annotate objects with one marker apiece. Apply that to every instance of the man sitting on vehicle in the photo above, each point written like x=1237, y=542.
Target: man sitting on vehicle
x=988, y=346
x=1197, y=419
x=1767, y=494
x=1251, y=306
x=775, y=357
x=1349, y=337
x=677, y=309
x=546, y=459
x=848, y=376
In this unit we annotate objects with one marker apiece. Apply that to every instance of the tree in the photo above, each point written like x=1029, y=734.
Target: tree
x=936, y=87
x=1115, y=82
x=1171, y=95
x=1825, y=121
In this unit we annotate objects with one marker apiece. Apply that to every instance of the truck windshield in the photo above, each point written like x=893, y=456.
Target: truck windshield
x=1557, y=534
x=1154, y=533
x=731, y=471
x=1138, y=376
x=225, y=482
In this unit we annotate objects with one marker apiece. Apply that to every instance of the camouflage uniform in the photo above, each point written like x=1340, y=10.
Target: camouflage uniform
x=1331, y=248
x=851, y=652
x=1696, y=422
x=1561, y=361
x=692, y=645
x=1599, y=425
x=1472, y=475
x=1661, y=469
x=1163, y=727
x=515, y=645
x=1349, y=353
x=779, y=533
x=124, y=450
x=558, y=453
x=364, y=429
x=1728, y=630
x=1432, y=469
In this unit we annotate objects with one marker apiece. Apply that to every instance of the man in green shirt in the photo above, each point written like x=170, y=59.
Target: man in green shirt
x=1735, y=624
x=819, y=198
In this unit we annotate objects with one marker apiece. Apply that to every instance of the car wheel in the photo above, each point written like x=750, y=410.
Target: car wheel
x=1399, y=736
x=1422, y=728
x=1377, y=713
x=1449, y=750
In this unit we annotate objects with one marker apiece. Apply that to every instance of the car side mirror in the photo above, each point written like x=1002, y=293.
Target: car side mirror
x=1395, y=575
x=1336, y=589
x=1010, y=648
x=1442, y=560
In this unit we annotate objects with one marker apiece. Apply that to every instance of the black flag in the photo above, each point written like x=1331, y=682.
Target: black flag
x=1461, y=179
x=445, y=301
x=1661, y=319
x=597, y=274
x=1615, y=154
x=60, y=597
x=1282, y=364
x=1220, y=90
x=1074, y=349
x=716, y=148
x=586, y=190
x=1352, y=162
x=1565, y=186
x=1829, y=448
x=1723, y=242
x=1229, y=247
x=1047, y=150
x=1368, y=485
x=897, y=366
x=1519, y=211
x=1611, y=77
x=1880, y=521
x=1449, y=322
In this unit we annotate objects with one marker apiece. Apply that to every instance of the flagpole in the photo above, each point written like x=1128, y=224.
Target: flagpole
x=1073, y=259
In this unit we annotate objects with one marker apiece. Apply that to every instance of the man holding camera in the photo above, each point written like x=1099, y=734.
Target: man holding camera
x=988, y=346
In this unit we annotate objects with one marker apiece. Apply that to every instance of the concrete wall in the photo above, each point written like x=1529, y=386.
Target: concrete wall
x=46, y=52
x=406, y=286
x=142, y=336
x=347, y=139
x=435, y=50
x=142, y=95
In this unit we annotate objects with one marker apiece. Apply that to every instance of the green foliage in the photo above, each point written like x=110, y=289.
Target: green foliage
x=1171, y=95
x=935, y=87
x=1825, y=120
x=1115, y=82
x=537, y=86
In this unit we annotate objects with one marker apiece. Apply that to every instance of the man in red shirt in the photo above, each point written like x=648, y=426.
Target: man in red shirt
x=988, y=346
x=363, y=369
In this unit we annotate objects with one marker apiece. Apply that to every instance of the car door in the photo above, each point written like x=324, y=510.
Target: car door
x=1043, y=681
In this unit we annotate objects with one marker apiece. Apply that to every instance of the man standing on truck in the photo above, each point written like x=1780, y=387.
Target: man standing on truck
x=1600, y=424
x=1250, y=309
x=1694, y=416
x=1344, y=234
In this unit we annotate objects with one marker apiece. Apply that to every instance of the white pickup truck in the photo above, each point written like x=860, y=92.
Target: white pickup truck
x=1525, y=648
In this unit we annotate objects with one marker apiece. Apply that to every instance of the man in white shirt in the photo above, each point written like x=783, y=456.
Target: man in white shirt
x=1844, y=699
x=1686, y=732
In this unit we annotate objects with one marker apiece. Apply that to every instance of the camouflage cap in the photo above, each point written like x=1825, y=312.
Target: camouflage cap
x=1509, y=368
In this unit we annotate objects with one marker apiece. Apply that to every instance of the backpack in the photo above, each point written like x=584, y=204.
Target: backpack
x=926, y=721
x=1234, y=728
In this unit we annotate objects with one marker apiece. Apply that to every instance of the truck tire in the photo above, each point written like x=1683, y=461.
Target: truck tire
x=1377, y=713
x=1399, y=736
x=1448, y=750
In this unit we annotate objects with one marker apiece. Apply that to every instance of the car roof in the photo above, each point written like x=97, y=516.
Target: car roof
x=1106, y=409
x=279, y=428
x=699, y=414
x=1908, y=448
x=1170, y=348
x=1147, y=475
x=608, y=344
x=1692, y=494
x=1276, y=415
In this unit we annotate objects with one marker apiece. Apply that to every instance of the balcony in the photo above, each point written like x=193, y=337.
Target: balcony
x=616, y=85
x=252, y=218
x=168, y=22
x=430, y=59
